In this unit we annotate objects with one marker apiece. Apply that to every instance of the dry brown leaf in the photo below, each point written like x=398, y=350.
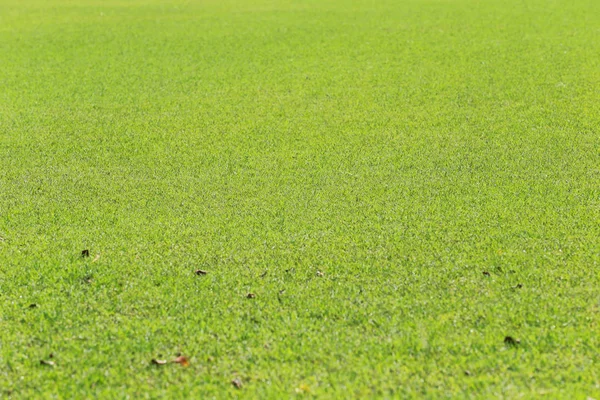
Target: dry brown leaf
x=85, y=253
x=320, y=274
x=96, y=258
x=250, y=295
x=182, y=360
x=200, y=272
x=237, y=382
x=486, y=273
x=158, y=362
x=49, y=363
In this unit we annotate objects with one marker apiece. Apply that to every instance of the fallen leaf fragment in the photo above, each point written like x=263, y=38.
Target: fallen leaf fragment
x=519, y=286
x=319, y=273
x=467, y=372
x=303, y=388
x=158, y=362
x=237, y=382
x=182, y=360
x=486, y=273
x=250, y=295
x=509, y=340
x=200, y=272
x=33, y=305
x=96, y=258
x=85, y=253
x=46, y=362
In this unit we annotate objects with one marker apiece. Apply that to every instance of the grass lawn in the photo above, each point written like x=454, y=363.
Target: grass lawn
x=400, y=184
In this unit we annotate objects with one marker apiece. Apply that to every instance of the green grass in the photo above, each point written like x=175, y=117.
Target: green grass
x=401, y=148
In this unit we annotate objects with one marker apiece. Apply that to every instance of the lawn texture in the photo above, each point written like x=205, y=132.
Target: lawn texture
x=401, y=184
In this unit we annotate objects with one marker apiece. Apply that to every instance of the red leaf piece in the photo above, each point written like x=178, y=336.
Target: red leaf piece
x=182, y=360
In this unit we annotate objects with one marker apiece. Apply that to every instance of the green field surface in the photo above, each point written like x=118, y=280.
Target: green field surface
x=390, y=199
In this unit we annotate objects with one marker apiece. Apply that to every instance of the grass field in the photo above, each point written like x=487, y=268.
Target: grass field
x=401, y=185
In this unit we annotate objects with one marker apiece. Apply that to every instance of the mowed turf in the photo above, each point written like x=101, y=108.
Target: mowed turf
x=401, y=184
